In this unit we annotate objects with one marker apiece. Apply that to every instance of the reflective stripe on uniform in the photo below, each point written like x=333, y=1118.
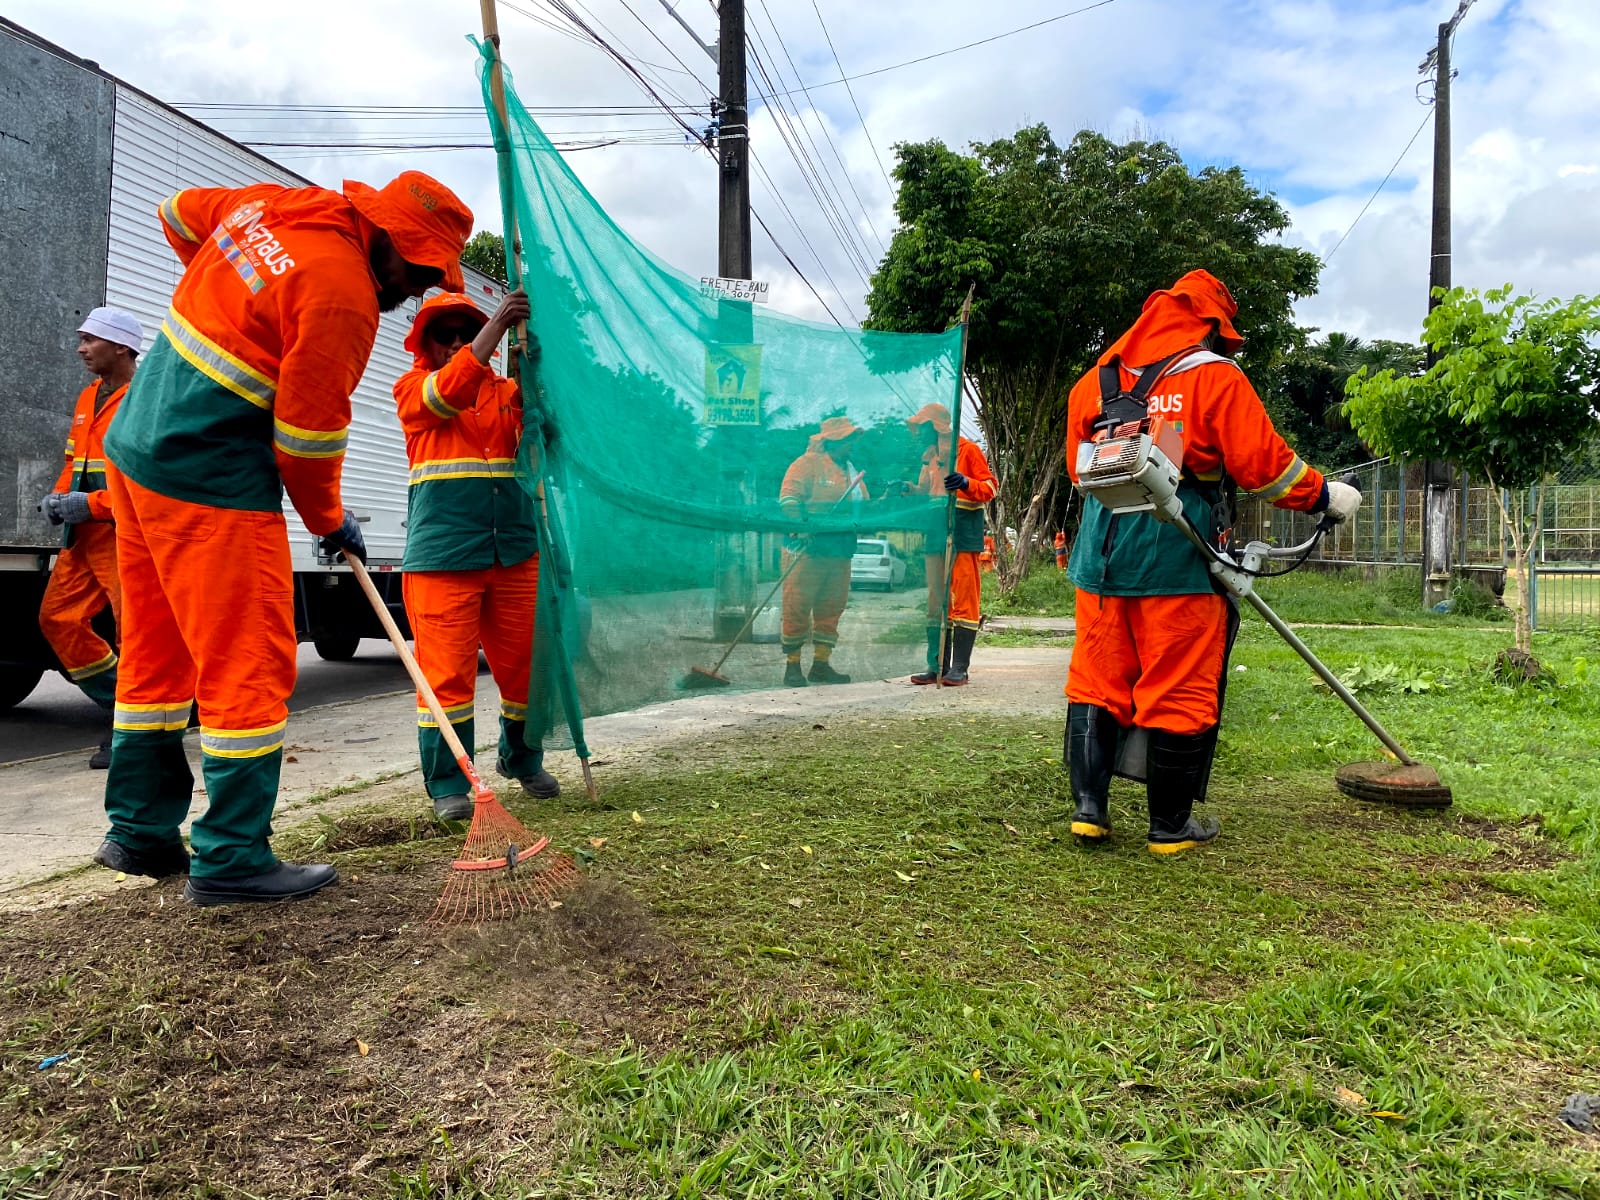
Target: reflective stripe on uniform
x=242, y=743
x=95, y=668
x=512, y=711
x=462, y=468
x=1292, y=474
x=169, y=214
x=308, y=443
x=212, y=361
x=432, y=398
x=969, y=505
x=455, y=714
x=149, y=718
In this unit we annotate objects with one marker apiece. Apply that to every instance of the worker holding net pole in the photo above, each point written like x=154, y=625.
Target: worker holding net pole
x=973, y=484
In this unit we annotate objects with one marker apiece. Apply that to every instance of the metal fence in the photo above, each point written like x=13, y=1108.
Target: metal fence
x=1387, y=531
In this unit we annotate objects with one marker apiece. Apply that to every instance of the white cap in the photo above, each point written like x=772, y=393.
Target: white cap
x=114, y=325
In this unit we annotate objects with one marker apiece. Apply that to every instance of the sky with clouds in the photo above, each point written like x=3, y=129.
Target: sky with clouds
x=1314, y=99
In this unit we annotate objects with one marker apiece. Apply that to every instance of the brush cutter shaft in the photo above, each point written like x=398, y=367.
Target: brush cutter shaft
x=1329, y=678
x=1242, y=585
x=463, y=759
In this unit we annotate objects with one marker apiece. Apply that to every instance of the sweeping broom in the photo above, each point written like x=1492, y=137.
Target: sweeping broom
x=493, y=877
x=712, y=677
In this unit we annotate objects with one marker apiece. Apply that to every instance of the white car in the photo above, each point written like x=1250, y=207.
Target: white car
x=877, y=563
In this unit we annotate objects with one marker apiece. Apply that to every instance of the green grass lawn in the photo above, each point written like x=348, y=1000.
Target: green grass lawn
x=924, y=988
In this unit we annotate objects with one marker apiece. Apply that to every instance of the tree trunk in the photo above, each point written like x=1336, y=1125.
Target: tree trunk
x=1521, y=555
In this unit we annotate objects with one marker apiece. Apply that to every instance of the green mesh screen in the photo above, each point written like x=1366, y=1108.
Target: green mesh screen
x=661, y=424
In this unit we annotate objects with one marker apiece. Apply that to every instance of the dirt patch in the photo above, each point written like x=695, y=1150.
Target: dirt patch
x=360, y=832
x=322, y=1048
x=1513, y=845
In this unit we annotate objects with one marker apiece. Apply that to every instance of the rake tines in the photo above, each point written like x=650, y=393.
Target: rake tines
x=500, y=872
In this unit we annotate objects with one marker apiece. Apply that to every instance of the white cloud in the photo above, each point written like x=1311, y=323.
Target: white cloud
x=1312, y=97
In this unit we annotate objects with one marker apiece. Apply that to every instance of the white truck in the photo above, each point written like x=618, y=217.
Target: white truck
x=84, y=161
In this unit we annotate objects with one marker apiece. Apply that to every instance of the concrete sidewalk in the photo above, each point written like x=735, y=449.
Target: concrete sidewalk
x=51, y=809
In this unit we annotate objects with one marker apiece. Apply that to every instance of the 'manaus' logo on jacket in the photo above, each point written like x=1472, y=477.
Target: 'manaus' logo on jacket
x=248, y=243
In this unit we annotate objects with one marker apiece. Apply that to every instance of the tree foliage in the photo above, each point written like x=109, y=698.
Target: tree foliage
x=1305, y=393
x=1063, y=245
x=1510, y=397
x=486, y=252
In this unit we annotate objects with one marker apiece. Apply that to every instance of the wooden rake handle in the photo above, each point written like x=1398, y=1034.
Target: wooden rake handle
x=414, y=669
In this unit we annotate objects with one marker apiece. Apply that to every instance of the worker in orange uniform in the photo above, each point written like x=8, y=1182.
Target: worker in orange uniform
x=1152, y=634
x=973, y=483
x=83, y=582
x=1061, y=550
x=817, y=588
x=244, y=396
x=472, y=540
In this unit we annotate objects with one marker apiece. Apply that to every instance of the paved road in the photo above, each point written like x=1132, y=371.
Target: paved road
x=57, y=717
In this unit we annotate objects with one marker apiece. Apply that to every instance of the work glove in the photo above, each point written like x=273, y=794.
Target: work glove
x=73, y=507
x=955, y=481
x=346, y=539
x=50, y=506
x=1343, y=501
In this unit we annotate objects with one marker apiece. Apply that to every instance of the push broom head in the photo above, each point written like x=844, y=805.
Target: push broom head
x=1410, y=785
x=504, y=869
x=702, y=677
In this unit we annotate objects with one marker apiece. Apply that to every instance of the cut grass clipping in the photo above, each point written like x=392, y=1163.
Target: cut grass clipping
x=868, y=960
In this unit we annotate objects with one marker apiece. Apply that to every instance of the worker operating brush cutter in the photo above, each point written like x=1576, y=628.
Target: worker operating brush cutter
x=1153, y=633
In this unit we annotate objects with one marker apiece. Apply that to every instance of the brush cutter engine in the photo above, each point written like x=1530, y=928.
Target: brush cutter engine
x=1135, y=467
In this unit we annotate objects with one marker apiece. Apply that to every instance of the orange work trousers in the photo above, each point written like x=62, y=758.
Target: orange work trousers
x=814, y=596
x=452, y=613
x=82, y=583
x=965, y=588
x=208, y=611
x=1153, y=661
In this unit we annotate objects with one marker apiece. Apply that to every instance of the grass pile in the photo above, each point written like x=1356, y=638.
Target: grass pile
x=868, y=960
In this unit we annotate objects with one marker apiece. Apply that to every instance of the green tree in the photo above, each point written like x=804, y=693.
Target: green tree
x=1509, y=397
x=1305, y=393
x=486, y=252
x=1063, y=245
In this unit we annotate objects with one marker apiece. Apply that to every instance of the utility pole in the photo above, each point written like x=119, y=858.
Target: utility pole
x=1438, y=508
x=733, y=148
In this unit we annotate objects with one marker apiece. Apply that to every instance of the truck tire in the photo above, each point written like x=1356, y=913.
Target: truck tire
x=337, y=647
x=16, y=683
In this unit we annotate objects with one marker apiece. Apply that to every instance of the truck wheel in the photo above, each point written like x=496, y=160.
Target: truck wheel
x=16, y=683
x=337, y=647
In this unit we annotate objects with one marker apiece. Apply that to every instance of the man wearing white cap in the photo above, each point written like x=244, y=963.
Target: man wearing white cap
x=84, y=580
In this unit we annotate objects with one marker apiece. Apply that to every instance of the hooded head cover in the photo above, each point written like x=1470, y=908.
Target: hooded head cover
x=437, y=306
x=114, y=325
x=426, y=221
x=1178, y=318
x=934, y=414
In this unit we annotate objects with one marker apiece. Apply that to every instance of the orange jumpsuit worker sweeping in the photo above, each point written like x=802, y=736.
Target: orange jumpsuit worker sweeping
x=472, y=540
x=818, y=588
x=974, y=485
x=245, y=395
x=83, y=581
x=1152, y=634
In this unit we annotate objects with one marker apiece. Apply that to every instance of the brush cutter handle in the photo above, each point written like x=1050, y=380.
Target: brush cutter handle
x=446, y=731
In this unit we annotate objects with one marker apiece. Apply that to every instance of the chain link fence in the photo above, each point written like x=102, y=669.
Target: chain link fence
x=1387, y=532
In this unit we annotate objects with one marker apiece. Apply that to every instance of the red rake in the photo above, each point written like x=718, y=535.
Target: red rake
x=495, y=877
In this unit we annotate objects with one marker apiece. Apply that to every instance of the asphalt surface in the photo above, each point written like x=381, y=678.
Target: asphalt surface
x=57, y=717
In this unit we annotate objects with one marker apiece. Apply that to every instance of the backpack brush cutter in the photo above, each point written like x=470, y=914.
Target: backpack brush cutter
x=1136, y=467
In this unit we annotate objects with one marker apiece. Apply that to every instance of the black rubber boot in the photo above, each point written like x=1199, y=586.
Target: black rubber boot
x=931, y=675
x=100, y=760
x=955, y=672
x=1091, y=753
x=1175, y=777
x=793, y=675
x=453, y=808
x=823, y=672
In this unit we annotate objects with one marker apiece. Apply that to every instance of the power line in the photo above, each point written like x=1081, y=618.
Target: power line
x=826, y=135
x=1425, y=118
x=846, y=81
x=911, y=62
